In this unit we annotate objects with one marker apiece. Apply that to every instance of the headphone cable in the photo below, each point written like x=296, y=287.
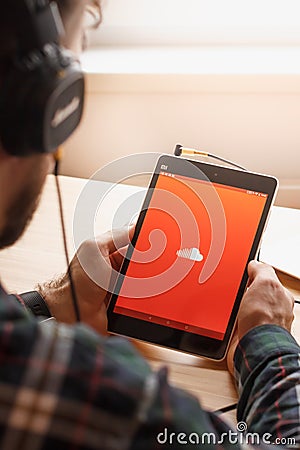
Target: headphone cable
x=57, y=157
x=225, y=409
x=180, y=150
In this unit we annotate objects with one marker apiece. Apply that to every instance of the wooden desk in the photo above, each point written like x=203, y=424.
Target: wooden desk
x=39, y=255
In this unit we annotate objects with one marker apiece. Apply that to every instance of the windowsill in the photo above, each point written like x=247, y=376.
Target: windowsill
x=193, y=69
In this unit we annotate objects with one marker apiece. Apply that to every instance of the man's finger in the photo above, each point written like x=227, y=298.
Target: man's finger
x=117, y=258
x=256, y=268
x=112, y=241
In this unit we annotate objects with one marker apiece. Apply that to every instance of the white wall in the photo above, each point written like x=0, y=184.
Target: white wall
x=258, y=130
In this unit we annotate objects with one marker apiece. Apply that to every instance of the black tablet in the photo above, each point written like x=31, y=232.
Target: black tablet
x=185, y=272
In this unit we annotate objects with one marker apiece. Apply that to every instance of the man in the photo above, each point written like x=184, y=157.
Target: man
x=66, y=386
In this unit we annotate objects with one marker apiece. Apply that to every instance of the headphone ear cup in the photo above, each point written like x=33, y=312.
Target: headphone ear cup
x=41, y=107
x=65, y=103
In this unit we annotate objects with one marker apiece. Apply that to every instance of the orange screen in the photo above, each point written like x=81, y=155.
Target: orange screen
x=189, y=303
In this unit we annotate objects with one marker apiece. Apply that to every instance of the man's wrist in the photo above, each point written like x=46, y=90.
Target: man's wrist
x=258, y=320
x=35, y=302
x=56, y=294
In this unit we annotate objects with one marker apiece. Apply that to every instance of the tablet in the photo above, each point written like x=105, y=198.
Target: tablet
x=185, y=272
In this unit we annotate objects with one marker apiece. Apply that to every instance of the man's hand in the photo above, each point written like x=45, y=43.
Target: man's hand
x=266, y=301
x=92, y=275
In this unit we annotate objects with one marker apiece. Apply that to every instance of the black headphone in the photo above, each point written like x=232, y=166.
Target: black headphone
x=42, y=94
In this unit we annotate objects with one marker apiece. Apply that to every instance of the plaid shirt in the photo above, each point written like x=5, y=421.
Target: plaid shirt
x=66, y=387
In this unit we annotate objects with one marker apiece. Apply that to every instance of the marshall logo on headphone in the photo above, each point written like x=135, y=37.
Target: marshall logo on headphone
x=63, y=114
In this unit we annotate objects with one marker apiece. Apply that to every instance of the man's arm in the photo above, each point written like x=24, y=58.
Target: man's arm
x=72, y=386
x=268, y=374
x=267, y=358
x=266, y=302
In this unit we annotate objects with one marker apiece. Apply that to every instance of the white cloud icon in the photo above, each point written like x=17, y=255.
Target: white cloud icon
x=190, y=253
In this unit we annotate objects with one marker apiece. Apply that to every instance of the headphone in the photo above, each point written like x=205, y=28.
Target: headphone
x=42, y=93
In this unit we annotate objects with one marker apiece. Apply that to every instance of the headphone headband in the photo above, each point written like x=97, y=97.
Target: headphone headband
x=38, y=23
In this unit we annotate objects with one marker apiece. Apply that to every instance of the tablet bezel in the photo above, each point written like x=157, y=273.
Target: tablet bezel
x=174, y=338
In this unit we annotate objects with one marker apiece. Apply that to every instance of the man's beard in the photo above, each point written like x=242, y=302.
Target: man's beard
x=18, y=215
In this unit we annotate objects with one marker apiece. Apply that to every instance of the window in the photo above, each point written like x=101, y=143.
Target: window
x=185, y=22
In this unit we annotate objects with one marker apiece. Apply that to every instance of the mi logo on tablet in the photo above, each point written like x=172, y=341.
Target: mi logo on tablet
x=190, y=253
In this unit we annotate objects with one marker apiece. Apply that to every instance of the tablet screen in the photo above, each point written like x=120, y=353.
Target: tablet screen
x=193, y=242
